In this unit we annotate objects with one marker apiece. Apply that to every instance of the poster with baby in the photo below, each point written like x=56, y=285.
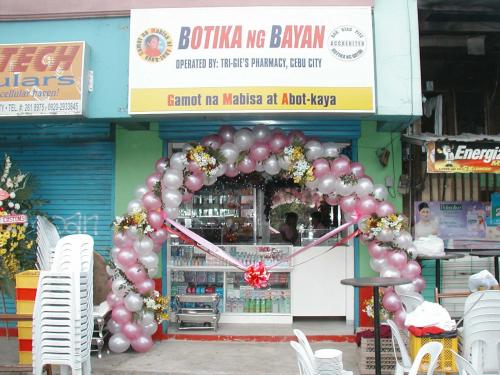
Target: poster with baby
x=450, y=220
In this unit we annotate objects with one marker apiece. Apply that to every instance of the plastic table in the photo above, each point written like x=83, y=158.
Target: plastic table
x=375, y=283
x=438, y=259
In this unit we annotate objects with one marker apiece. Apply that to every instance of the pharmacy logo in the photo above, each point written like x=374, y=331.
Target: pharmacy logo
x=347, y=43
x=154, y=45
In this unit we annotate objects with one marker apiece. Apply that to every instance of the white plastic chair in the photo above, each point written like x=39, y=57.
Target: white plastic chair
x=464, y=366
x=302, y=338
x=411, y=300
x=434, y=349
x=305, y=365
x=401, y=368
x=47, y=238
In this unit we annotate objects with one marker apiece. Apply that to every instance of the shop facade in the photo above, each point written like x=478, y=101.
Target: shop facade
x=119, y=144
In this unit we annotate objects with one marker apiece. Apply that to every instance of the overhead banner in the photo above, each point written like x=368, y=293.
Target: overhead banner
x=42, y=79
x=463, y=157
x=251, y=59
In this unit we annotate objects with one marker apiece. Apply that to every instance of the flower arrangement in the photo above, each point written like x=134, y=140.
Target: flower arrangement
x=368, y=309
x=158, y=305
x=374, y=225
x=349, y=179
x=206, y=158
x=16, y=237
x=138, y=219
x=300, y=170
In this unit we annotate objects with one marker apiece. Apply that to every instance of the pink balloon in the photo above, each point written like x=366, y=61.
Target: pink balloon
x=145, y=286
x=399, y=318
x=367, y=205
x=247, y=165
x=187, y=196
x=348, y=203
x=332, y=200
x=152, y=180
x=155, y=219
x=194, y=168
x=214, y=141
x=297, y=136
x=278, y=141
x=259, y=151
x=136, y=274
x=114, y=299
x=142, y=344
x=412, y=270
x=232, y=171
x=150, y=201
x=340, y=166
x=357, y=169
x=159, y=236
x=226, y=132
x=161, y=165
x=321, y=168
x=376, y=250
x=131, y=330
x=391, y=302
x=121, y=315
x=121, y=240
x=385, y=209
x=193, y=182
x=127, y=257
x=419, y=283
x=397, y=259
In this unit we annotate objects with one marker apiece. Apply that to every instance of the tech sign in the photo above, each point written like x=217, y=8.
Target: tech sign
x=251, y=59
x=43, y=79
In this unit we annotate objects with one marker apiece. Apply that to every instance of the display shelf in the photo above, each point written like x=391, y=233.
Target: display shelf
x=221, y=268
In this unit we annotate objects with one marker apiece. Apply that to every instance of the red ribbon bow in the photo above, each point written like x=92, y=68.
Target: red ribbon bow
x=256, y=275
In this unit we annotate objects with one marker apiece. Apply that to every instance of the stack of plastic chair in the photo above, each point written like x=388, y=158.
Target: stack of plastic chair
x=481, y=331
x=405, y=366
x=305, y=365
x=62, y=321
x=464, y=366
x=47, y=237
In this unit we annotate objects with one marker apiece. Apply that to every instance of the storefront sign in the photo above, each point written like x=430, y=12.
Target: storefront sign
x=463, y=157
x=43, y=79
x=450, y=220
x=251, y=59
x=13, y=219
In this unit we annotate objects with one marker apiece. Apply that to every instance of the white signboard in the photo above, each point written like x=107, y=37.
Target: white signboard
x=251, y=59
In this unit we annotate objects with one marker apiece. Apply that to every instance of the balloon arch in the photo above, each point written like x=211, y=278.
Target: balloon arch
x=309, y=164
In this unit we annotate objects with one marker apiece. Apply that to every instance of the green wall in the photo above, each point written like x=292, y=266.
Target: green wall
x=136, y=154
x=369, y=142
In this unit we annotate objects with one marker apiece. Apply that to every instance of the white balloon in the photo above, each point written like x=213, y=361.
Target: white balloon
x=118, y=286
x=113, y=326
x=178, y=160
x=143, y=245
x=378, y=264
x=221, y=170
x=172, y=213
x=147, y=317
x=405, y=289
x=259, y=166
x=150, y=329
x=314, y=150
x=140, y=191
x=118, y=343
x=363, y=187
x=341, y=188
x=385, y=235
x=172, y=178
x=380, y=192
x=261, y=132
x=149, y=260
x=133, y=302
x=331, y=150
x=171, y=198
x=284, y=163
x=230, y=151
x=390, y=272
x=114, y=252
x=404, y=240
x=152, y=272
x=272, y=166
x=326, y=184
x=243, y=139
x=134, y=206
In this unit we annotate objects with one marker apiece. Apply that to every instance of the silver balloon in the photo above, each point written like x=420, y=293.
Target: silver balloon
x=172, y=178
x=113, y=326
x=118, y=343
x=133, y=302
x=326, y=184
x=132, y=233
x=178, y=160
x=172, y=213
x=259, y=166
x=221, y=170
x=152, y=272
x=147, y=317
x=140, y=191
x=171, y=198
x=243, y=139
x=380, y=192
x=385, y=235
x=272, y=166
x=378, y=264
x=405, y=289
x=149, y=260
x=114, y=252
x=261, y=133
x=404, y=240
x=284, y=163
x=118, y=286
x=134, y=206
x=390, y=272
x=341, y=188
x=230, y=151
x=150, y=329
x=331, y=150
x=227, y=133
x=143, y=245
x=314, y=150
x=364, y=187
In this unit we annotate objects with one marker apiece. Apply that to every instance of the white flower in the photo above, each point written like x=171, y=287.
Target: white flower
x=1, y=203
x=148, y=229
x=13, y=195
x=17, y=206
x=9, y=184
x=11, y=204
